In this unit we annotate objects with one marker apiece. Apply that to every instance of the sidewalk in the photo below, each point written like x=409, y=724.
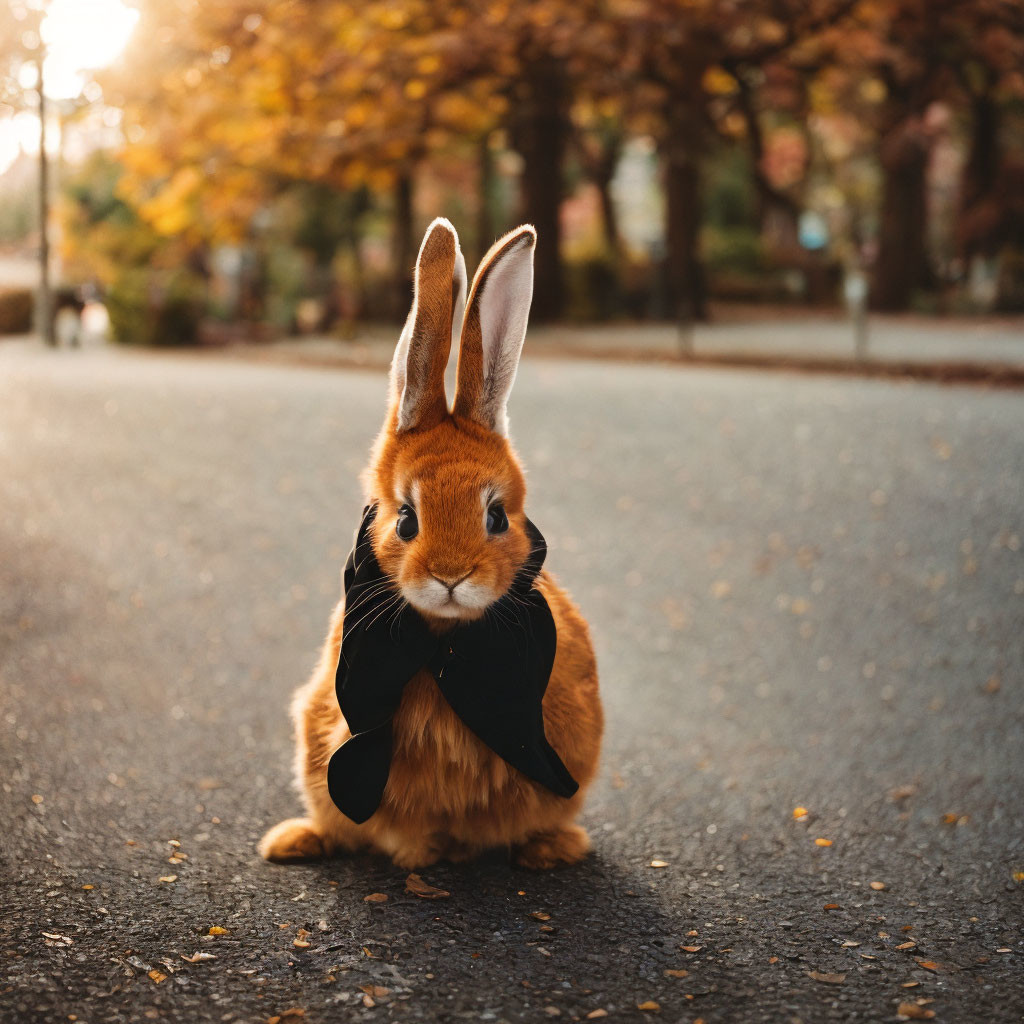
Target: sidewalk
x=959, y=349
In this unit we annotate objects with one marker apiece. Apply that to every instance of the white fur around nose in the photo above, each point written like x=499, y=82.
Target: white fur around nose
x=504, y=304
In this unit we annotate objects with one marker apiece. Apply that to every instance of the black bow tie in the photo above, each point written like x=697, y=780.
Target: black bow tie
x=492, y=671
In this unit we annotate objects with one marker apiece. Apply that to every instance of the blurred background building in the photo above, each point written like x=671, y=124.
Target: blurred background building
x=247, y=169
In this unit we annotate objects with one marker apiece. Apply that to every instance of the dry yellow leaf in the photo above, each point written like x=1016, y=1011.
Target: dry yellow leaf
x=539, y=915
x=914, y=1011
x=88, y=887
x=800, y=812
x=157, y=976
x=659, y=863
x=830, y=906
x=649, y=1006
x=376, y=897
x=168, y=878
x=906, y=945
x=828, y=979
x=217, y=930
x=877, y=886
x=773, y=959
x=597, y=1014
x=1018, y=876
x=822, y=842
x=415, y=885
x=691, y=949
x=301, y=943
x=670, y=973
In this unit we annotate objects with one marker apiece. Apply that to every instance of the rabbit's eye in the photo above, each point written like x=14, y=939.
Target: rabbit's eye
x=497, y=521
x=407, y=526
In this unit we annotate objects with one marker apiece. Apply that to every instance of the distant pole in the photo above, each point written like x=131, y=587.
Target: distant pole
x=44, y=311
x=855, y=291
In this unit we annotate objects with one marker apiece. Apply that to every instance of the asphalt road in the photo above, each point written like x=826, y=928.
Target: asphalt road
x=804, y=591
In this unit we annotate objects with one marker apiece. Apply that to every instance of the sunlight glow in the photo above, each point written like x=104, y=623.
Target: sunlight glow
x=82, y=35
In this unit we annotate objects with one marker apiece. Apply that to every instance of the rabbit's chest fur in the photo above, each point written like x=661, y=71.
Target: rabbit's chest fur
x=436, y=760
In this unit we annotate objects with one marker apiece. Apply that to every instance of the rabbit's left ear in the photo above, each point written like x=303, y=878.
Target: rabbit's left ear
x=417, y=369
x=494, y=328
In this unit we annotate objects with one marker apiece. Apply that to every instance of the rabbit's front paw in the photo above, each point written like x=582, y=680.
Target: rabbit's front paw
x=567, y=845
x=291, y=840
x=418, y=852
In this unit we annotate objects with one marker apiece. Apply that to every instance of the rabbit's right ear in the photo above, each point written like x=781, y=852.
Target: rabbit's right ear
x=439, y=298
x=494, y=329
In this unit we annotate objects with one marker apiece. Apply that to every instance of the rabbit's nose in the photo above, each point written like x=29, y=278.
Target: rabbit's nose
x=450, y=581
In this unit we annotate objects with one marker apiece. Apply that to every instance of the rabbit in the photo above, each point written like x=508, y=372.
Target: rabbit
x=448, y=795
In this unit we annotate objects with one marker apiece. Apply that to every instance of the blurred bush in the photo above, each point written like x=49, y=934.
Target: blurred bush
x=16, y=306
x=152, y=308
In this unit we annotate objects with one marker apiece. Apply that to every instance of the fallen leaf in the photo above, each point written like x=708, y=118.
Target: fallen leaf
x=168, y=878
x=1018, y=876
x=56, y=939
x=415, y=885
x=36, y=798
x=301, y=943
x=692, y=933
x=376, y=897
x=850, y=944
x=670, y=973
x=377, y=991
x=828, y=979
x=877, y=886
x=902, y=793
x=173, y=842
x=928, y=965
x=1004, y=949
x=993, y=685
x=822, y=842
x=906, y=945
x=88, y=887
x=691, y=949
x=831, y=906
x=157, y=976
x=198, y=957
x=950, y=819
x=659, y=863
x=597, y=1014
x=368, y=1002
x=911, y=984
x=649, y=1006
x=539, y=915
x=914, y=1011
x=217, y=930
x=773, y=959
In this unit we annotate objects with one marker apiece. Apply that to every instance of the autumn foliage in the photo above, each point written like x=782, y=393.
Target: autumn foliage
x=367, y=118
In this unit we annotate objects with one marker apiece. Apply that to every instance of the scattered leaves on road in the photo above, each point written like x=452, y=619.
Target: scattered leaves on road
x=691, y=949
x=415, y=885
x=828, y=979
x=831, y=906
x=659, y=863
x=800, y=813
x=168, y=878
x=670, y=973
x=822, y=842
x=217, y=930
x=649, y=1006
x=376, y=897
x=877, y=886
x=597, y=1014
x=56, y=939
x=540, y=915
x=157, y=976
x=198, y=957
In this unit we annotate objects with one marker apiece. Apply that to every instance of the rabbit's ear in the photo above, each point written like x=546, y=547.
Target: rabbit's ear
x=439, y=297
x=494, y=328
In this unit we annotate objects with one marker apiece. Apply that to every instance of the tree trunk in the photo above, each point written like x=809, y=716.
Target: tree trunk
x=902, y=266
x=978, y=185
x=403, y=256
x=541, y=134
x=686, y=290
x=485, y=230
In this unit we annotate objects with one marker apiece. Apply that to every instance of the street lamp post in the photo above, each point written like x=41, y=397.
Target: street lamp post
x=44, y=308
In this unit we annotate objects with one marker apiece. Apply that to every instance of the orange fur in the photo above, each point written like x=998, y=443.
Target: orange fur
x=448, y=795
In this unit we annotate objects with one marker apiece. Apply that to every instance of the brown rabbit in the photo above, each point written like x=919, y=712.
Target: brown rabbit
x=450, y=535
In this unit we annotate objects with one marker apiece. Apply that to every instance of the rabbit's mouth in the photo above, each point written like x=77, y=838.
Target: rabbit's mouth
x=463, y=599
